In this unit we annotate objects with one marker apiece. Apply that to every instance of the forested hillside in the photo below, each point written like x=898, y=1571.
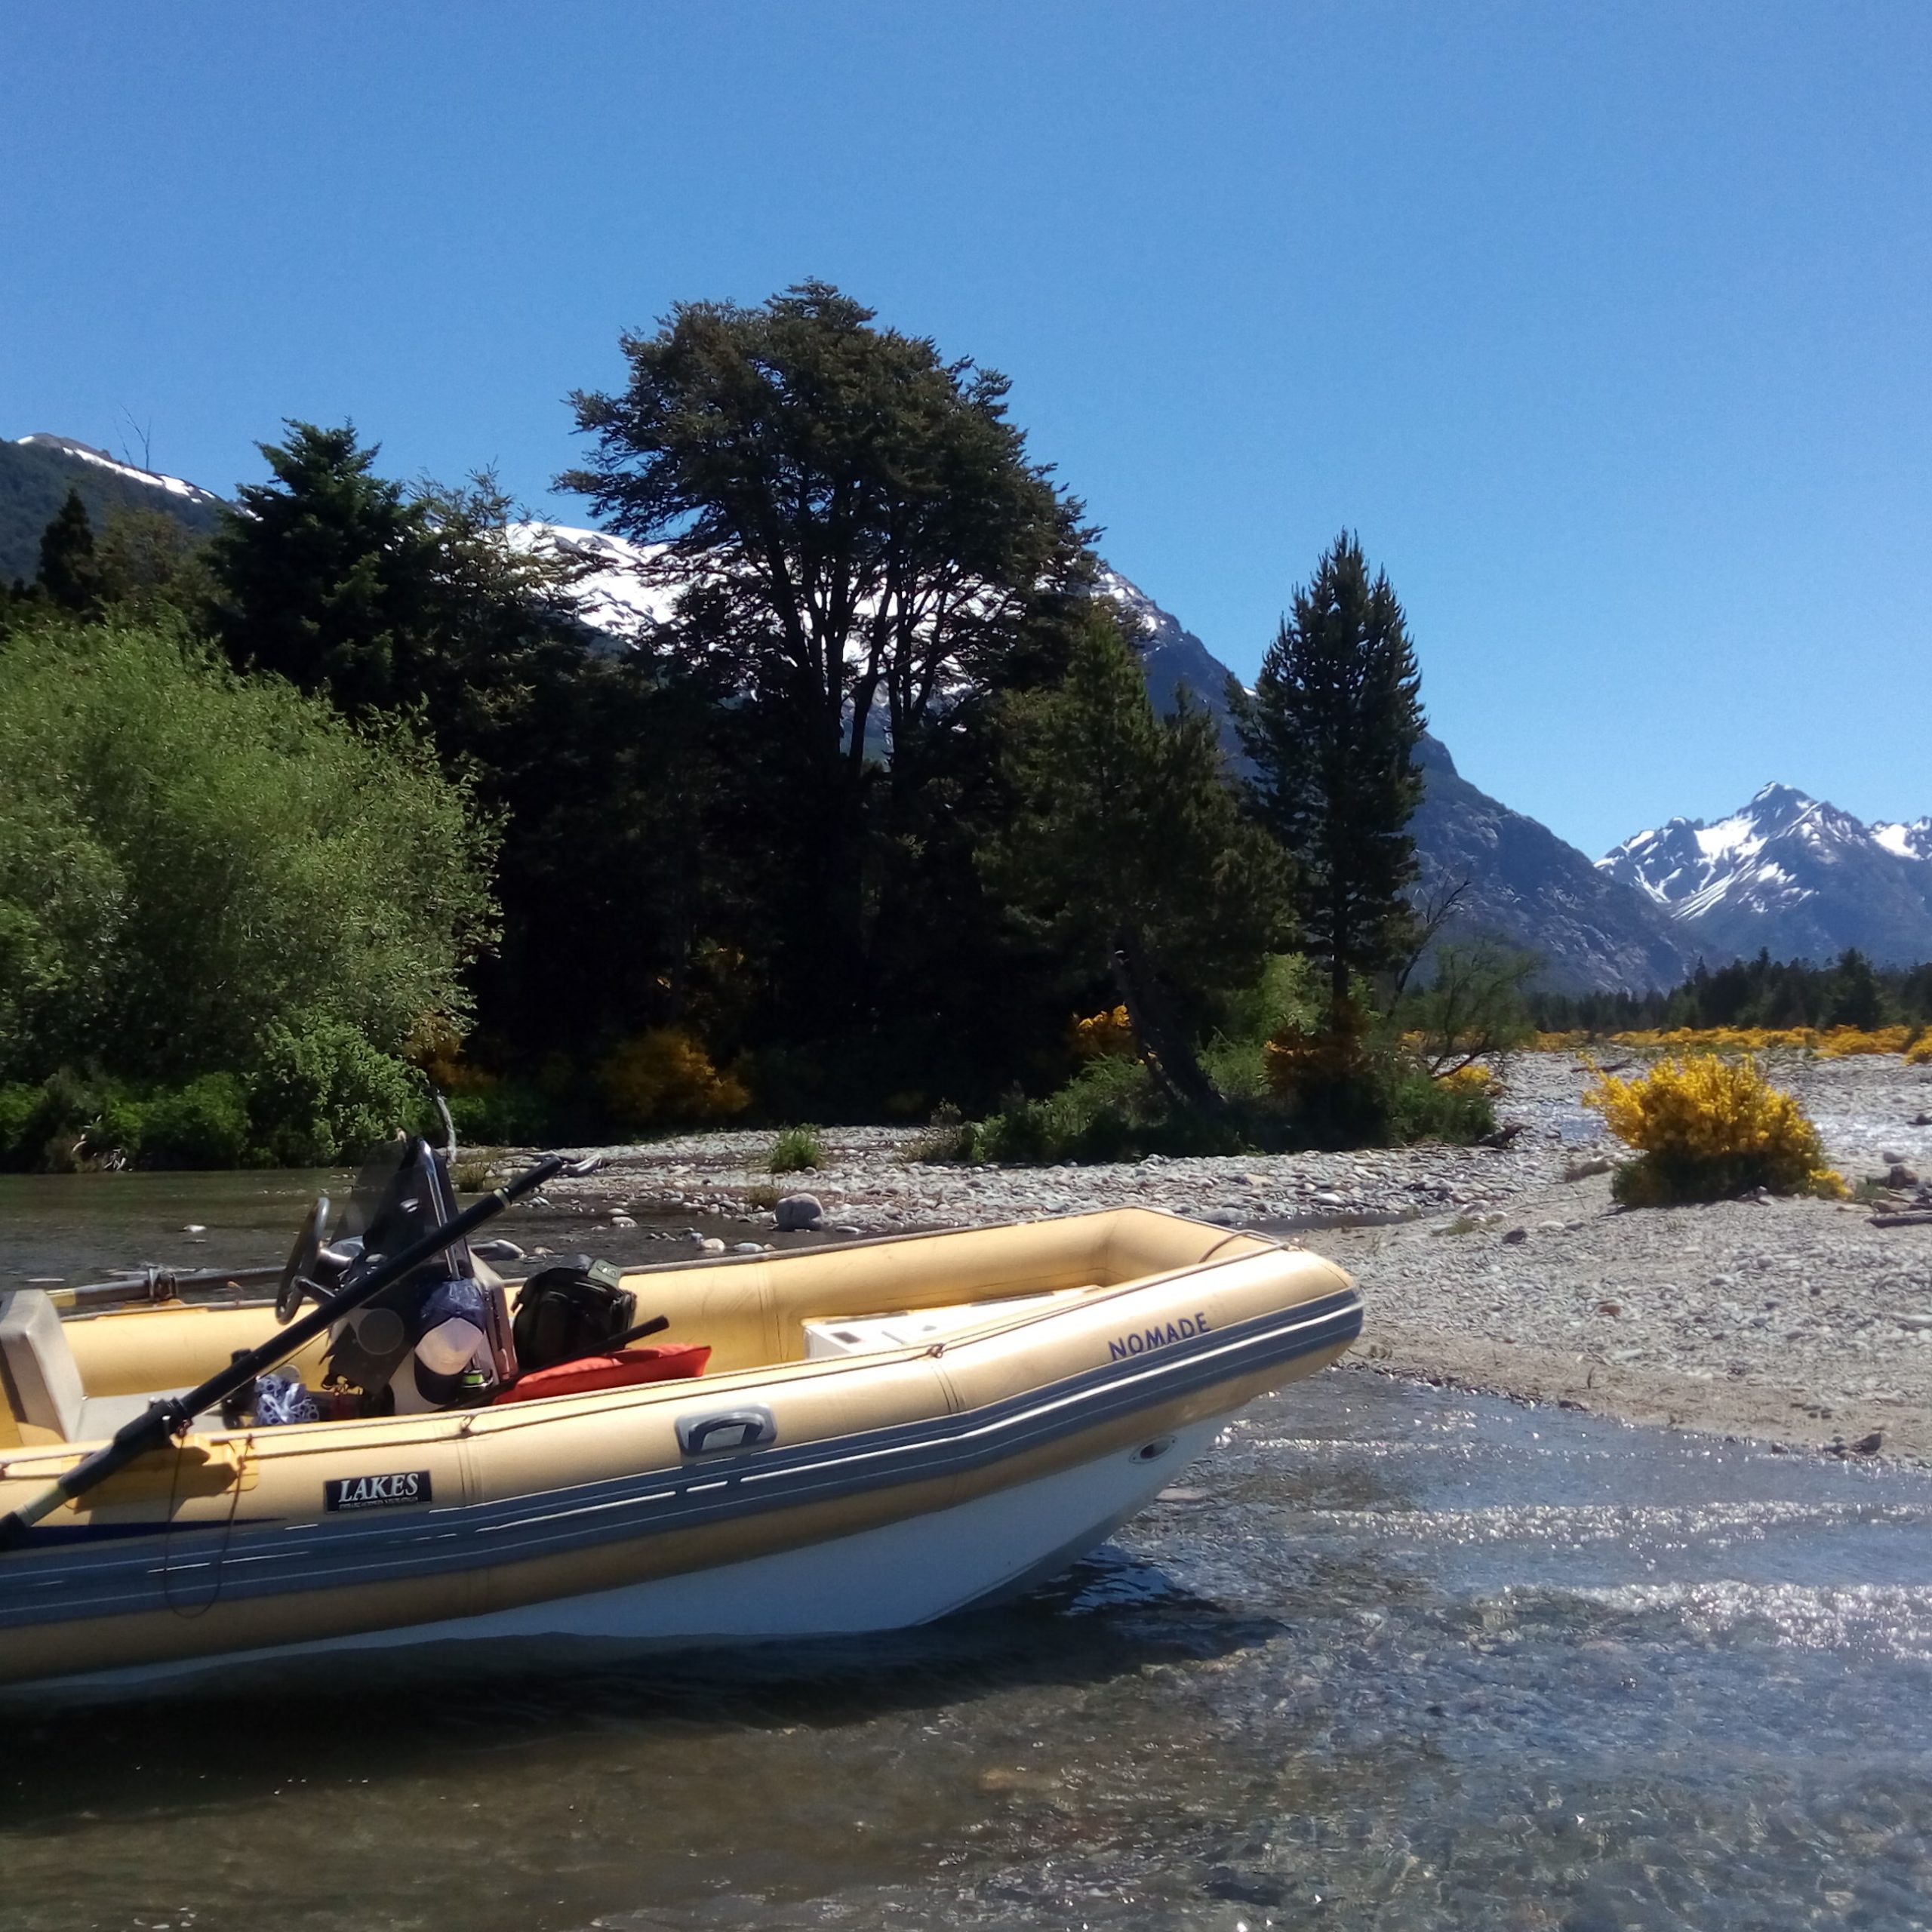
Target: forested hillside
x=37, y=471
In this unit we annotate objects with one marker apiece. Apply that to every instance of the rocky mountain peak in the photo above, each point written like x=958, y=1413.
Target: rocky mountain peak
x=1796, y=874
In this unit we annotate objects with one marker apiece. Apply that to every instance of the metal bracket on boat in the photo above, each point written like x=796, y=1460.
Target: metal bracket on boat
x=751, y=1427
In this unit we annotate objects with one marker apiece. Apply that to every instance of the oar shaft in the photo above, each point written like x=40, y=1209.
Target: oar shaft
x=165, y=1419
x=157, y=1285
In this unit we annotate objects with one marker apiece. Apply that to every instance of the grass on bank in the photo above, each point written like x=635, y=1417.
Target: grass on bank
x=797, y=1150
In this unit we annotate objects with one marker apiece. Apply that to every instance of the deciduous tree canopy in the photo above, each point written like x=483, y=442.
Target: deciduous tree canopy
x=861, y=545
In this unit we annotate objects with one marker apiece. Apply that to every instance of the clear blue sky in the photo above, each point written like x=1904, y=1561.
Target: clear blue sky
x=1605, y=325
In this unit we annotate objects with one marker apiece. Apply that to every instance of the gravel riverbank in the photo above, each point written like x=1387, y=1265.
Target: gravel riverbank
x=1796, y=1321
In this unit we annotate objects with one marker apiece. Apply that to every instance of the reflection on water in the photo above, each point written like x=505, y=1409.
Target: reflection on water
x=1413, y=1661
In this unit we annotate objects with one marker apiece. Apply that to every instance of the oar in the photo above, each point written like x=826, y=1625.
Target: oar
x=153, y=1284
x=173, y=1415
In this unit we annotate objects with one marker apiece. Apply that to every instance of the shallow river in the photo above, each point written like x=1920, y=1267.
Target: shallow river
x=1388, y=1657
x=1391, y=1658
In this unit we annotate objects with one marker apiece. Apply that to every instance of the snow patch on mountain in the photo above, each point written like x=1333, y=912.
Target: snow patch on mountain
x=1907, y=841
x=87, y=452
x=612, y=596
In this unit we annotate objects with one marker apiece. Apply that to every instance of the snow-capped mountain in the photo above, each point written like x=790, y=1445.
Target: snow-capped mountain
x=1176, y=659
x=37, y=471
x=1908, y=841
x=1789, y=873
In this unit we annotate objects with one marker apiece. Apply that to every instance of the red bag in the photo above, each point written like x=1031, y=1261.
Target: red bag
x=616, y=1371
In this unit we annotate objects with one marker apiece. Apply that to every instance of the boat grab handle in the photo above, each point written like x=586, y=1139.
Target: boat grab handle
x=751, y=1427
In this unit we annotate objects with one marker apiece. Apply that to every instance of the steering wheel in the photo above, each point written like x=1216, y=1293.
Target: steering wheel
x=295, y=1283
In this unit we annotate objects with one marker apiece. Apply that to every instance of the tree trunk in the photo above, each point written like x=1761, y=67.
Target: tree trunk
x=1165, y=1047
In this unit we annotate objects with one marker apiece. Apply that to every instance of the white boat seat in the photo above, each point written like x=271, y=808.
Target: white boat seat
x=43, y=1381
x=858, y=1335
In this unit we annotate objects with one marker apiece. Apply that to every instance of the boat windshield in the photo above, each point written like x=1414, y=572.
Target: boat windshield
x=402, y=1192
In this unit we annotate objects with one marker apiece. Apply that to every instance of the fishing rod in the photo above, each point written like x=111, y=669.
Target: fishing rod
x=174, y=1414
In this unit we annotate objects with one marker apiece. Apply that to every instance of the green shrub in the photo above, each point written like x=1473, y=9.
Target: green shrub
x=189, y=858
x=945, y=1138
x=506, y=1114
x=203, y=1124
x=1419, y=1107
x=1111, y=1110
x=324, y=1094
x=796, y=1150
x=19, y=1104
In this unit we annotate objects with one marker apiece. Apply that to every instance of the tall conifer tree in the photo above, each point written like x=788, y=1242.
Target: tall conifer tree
x=1332, y=728
x=323, y=572
x=67, y=569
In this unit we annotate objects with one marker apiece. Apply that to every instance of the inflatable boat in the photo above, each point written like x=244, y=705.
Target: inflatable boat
x=883, y=1433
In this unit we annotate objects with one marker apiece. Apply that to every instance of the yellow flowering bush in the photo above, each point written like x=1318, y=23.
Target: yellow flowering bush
x=1299, y=1057
x=1470, y=1078
x=1106, y=1036
x=1839, y=1041
x=1832, y=1043
x=664, y=1075
x=1705, y=1128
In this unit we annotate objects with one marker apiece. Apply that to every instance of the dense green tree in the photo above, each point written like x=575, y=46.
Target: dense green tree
x=1129, y=851
x=322, y=572
x=1763, y=991
x=1857, y=998
x=1332, y=729
x=146, y=558
x=67, y=573
x=860, y=546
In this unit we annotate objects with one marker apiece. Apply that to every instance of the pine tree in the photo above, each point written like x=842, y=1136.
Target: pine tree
x=1128, y=850
x=323, y=572
x=1857, y=999
x=1332, y=728
x=67, y=568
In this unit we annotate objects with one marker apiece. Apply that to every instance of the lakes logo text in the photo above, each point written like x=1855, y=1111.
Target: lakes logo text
x=376, y=1492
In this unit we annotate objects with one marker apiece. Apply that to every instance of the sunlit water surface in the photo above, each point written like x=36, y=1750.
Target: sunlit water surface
x=1392, y=1658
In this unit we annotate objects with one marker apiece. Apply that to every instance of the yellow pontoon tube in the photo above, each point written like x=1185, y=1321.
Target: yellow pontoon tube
x=889, y=1432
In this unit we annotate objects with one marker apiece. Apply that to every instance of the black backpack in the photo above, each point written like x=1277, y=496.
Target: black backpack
x=573, y=1308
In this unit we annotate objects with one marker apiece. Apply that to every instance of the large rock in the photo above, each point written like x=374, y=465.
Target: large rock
x=796, y=1212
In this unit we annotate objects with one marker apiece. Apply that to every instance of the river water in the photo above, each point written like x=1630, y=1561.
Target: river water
x=1388, y=1657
